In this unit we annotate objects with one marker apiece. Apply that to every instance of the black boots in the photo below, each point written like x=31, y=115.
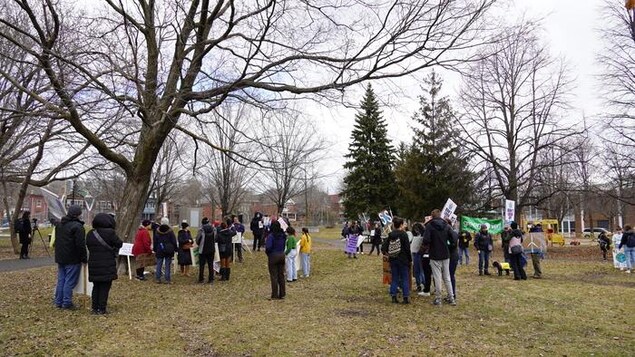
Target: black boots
x=406, y=300
x=224, y=274
x=394, y=300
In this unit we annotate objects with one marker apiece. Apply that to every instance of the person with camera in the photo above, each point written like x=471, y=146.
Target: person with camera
x=23, y=229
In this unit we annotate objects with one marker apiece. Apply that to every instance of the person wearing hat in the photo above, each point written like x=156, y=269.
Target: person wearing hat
x=483, y=244
x=70, y=254
x=142, y=248
x=185, y=244
x=164, y=246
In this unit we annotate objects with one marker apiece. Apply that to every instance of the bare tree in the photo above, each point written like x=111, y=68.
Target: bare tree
x=618, y=62
x=291, y=148
x=511, y=101
x=226, y=180
x=137, y=66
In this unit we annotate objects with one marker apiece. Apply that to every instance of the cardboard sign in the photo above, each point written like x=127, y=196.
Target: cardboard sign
x=126, y=249
x=448, y=209
x=351, y=243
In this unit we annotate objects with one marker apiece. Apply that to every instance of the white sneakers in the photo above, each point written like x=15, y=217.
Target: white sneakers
x=627, y=271
x=423, y=294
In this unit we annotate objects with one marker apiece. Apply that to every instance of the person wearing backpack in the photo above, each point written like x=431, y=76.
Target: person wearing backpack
x=164, y=246
x=515, y=251
x=22, y=227
x=397, y=248
x=628, y=242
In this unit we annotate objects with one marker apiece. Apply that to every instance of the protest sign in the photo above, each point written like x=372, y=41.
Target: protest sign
x=510, y=210
x=351, y=243
x=83, y=286
x=126, y=250
x=448, y=209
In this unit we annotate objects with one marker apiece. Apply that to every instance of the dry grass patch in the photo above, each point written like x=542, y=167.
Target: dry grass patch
x=579, y=308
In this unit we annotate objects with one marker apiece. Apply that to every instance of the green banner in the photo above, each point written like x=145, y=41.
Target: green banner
x=470, y=224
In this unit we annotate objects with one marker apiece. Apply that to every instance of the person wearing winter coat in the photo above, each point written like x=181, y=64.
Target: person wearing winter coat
x=142, y=248
x=224, y=239
x=628, y=243
x=453, y=248
x=605, y=244
x=185, y=244
x=103, y=244
x=439, y=236
x=515, y=258
x=70, y=254
x=205, y=240
x=483, y=244
x=275, y=245
x=239, y=228
x=257, y=229
x=164, y=247
x=376, y=239
x=464, y=247
x=24, y=230
x=397, y=248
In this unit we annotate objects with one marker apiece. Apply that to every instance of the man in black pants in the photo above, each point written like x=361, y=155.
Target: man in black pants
x=205, y=242
x=23, y=228
x=257, y=228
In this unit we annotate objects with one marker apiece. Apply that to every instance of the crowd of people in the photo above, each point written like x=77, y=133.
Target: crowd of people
x=428, y=253
x=156, y=244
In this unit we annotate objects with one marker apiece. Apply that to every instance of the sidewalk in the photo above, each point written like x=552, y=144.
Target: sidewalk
x=7, y=265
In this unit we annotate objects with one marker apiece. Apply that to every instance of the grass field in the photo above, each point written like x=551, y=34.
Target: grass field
x=582, y=307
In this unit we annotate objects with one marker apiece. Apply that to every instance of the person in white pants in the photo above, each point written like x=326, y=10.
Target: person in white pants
x=291, y=252
x=437, y=235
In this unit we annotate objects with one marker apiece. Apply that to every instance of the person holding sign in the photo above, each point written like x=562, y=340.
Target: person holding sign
x=103, y=244
x=439, y=236
x=239, y=228
x=397, y=248
x=205, y=240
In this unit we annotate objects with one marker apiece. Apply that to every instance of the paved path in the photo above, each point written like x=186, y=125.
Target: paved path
x=22, y=264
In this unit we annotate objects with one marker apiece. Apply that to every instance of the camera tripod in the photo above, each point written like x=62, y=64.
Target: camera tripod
x=37, y=230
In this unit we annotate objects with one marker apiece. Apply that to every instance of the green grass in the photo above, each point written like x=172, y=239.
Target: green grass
x=582, y=307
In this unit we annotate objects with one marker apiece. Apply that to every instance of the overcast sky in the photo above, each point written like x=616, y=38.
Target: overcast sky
x=570, y=30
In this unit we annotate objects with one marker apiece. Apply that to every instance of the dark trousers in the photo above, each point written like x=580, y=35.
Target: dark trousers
x=257, y=241
x=372, y=249
x=100, y=294
x=361, y=246
x=24, y=250
x=238, y=251
x=535, y=260
x=427, y=273
x=276, y=273
x=204, y=259
x=519, y=272
x=453, y=263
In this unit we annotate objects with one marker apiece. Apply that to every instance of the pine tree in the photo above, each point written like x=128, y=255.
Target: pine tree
x=434, y=168
x=369, y=185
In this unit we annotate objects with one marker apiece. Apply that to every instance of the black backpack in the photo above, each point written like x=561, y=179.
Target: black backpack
x=17, y=225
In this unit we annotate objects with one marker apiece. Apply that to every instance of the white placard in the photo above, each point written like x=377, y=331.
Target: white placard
x=448, y=209
x=126, y=249
x=238, y=238
x=510, y=210
x=83, y=286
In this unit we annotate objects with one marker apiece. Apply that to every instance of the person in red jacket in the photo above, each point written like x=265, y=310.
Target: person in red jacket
x=142, y=248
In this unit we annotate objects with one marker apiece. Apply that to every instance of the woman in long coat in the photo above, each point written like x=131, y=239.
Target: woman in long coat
x=185, y=244
x=103, y=244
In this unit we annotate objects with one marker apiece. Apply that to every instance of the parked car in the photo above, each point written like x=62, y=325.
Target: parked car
x=596, y=232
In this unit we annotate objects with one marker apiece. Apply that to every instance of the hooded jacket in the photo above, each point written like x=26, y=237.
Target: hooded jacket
x=482, y=240
x=70, y=241
x=437, y=235
x=163, y=238
x=102, y=265
x=142, y=242
x=208, y=246
x=224, y=239
x=628, y=239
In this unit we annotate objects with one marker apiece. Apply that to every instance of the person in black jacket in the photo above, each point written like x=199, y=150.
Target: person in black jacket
x=224, y=239
x=376, y=239
x=257, y=228
x=102, y=265
x=483, y=244
x=185, y=244
x=205, y=240
x=70, y=253
x=464, y=247
x=438, y=235
x=397, y=247
x=23, y=228
x=164, y=246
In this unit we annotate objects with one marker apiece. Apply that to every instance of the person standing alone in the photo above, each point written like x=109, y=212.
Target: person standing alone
x=23, y=228
x=70, y=254
x=483, y=244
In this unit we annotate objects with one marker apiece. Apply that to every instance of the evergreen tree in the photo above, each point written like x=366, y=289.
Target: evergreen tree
x=369, y=185
x=434, y=168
